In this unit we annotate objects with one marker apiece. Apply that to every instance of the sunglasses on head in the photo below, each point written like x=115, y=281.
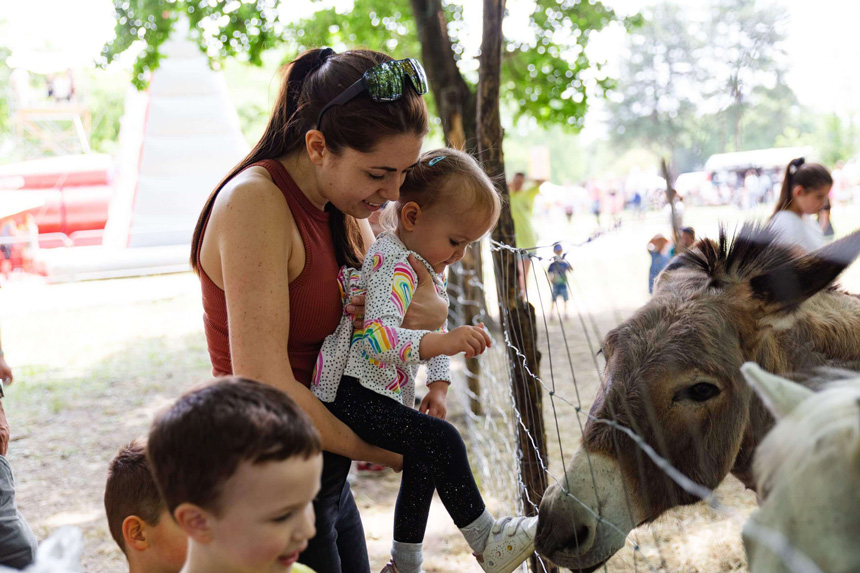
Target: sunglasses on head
x=384, y=83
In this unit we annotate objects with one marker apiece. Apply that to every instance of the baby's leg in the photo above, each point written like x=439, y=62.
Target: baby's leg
x=411, y=513
x=386, y=423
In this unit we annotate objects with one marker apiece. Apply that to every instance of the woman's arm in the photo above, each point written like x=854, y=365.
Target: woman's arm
x=254, y=235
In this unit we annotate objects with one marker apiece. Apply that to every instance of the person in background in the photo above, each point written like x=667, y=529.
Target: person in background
x=6, y=376
x=522, y=210
x=17, y=542
x=804, y=192
x=686, y=239
x=659, y=247
x=558, y=271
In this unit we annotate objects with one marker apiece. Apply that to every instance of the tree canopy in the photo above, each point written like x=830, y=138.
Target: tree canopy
x=544, y=76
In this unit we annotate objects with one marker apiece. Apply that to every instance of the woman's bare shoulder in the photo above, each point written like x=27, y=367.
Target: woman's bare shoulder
x=252, y=190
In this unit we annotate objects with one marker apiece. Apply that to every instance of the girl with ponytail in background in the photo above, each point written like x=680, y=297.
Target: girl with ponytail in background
x=270, y=241
x=804, y=191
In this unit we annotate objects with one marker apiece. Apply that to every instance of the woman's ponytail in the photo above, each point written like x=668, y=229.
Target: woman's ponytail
x=311, y=81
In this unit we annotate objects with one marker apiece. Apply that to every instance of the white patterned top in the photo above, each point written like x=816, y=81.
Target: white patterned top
x=384, y=356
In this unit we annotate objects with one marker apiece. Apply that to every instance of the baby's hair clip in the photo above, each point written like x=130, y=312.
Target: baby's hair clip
x=435, y=160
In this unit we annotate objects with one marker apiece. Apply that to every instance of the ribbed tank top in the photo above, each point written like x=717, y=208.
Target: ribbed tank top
x=315, y=303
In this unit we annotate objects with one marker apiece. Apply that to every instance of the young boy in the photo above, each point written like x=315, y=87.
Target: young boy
x=137, y=517
x=557, y=271
x=238, y=464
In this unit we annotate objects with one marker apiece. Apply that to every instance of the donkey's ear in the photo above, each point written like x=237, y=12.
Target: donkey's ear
x=785, y=287
x=781, y=396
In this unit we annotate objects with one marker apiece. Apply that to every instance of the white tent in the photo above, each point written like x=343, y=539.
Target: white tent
x=178, y=139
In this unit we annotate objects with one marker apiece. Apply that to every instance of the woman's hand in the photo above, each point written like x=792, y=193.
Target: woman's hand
x=427, y=311
x=435, y=402
x=356, y=309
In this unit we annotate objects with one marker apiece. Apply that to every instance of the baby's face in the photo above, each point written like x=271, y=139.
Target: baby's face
x=442, y=234
x=267, y=516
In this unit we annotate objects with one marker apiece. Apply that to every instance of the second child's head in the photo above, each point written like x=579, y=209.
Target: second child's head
x=804, y=188
x=446, y=203
x=238, y=465
x=137, y=516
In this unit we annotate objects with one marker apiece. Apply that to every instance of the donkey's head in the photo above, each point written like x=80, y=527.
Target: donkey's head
x=672, y=376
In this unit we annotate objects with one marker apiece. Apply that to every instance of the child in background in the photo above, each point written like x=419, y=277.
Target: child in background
x=367, y=378
x=659, y=249
x=804, y=192
x=137, y=517
x=557, y=271
x=238, y=465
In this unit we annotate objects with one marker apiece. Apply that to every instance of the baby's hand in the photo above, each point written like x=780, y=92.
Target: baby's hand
x=434, y=403
x=472, y=340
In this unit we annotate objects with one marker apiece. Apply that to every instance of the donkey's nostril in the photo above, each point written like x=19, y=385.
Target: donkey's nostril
x=579, y=540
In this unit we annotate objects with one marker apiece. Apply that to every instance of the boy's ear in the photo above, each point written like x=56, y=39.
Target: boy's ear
x=194, y=521
x=134, y=533
x=409, y=215
x=315, y=145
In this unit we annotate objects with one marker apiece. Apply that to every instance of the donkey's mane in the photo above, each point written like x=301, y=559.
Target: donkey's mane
x=751, y=251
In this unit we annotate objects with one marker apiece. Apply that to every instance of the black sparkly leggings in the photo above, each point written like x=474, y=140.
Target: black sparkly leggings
x=434, y=457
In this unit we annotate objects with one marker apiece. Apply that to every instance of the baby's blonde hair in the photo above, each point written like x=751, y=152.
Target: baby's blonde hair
x=450, y=177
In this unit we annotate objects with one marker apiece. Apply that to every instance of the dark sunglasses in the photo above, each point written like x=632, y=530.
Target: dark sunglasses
x=384, y=83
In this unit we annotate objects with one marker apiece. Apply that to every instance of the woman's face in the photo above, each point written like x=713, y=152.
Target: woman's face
x=359, y=183
x=810, y=201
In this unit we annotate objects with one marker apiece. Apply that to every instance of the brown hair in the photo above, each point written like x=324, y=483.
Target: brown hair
x=310, y=82
x=131, y=490
x=196, y=445
x=451, y=177
x=808, y=175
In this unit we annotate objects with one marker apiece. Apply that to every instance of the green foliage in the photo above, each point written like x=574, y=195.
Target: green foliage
x=544, y=78
x=222, y=29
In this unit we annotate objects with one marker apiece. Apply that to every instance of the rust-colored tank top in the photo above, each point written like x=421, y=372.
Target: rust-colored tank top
x=315, y=303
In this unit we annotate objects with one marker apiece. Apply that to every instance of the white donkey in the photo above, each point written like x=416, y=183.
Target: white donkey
x=807, y=472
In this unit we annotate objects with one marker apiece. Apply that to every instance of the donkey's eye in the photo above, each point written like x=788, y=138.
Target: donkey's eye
x=701, y=392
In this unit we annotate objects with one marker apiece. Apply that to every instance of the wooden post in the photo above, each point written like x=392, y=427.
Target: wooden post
x=670, y=197
x=518, y=317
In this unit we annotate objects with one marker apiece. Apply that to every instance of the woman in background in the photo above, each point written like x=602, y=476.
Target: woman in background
x=804, y=192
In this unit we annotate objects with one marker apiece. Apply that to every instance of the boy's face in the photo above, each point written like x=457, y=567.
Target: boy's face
x=267, y=516
x=168, y=542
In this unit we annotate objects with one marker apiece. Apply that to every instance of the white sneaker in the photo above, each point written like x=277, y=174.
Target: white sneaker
x=511, y=541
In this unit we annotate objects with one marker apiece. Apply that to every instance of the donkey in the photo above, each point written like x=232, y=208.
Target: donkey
x=807, y=470
x=673, y=377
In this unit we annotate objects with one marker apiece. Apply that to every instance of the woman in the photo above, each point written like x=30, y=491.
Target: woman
x=272, y=237
x=805, y=188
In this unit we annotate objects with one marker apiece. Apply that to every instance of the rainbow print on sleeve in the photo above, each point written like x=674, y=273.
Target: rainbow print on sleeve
x=406, y=352
x=402, y=286
x=380, y=337
x=377, y=261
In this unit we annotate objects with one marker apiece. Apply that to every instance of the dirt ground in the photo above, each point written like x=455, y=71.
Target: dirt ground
x=94, y=361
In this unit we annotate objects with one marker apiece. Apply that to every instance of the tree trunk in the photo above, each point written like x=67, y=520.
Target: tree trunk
x=520, y=315
x=455, y=104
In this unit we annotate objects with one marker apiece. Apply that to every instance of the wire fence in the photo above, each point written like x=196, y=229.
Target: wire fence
x=701, y=537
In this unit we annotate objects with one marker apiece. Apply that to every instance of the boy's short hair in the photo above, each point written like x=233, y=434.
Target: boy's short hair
x=131, y=490
x=197, y=445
